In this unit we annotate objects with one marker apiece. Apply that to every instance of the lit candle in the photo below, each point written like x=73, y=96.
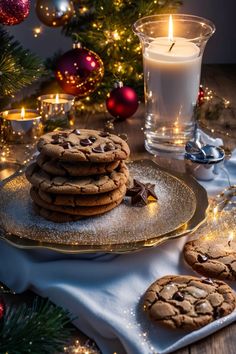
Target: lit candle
x=172, y=68
x=21, y=125
x=55, y=99
x=54, y=109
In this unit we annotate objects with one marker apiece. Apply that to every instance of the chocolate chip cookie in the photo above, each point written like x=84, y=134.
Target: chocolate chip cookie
x=213, y=256
x=74, y=200
x=55, y=216
x=83, y=145
x=57, y=167
x=188, y=302
x=77, y=210
x=77, y=185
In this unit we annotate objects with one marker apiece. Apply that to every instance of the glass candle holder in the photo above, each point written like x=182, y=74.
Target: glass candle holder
x=55, y=110
x=172, y=48
x=20, y=130
x=21, y=126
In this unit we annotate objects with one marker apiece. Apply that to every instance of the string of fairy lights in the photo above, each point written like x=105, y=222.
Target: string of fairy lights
x=77, y=348
x=213, y=109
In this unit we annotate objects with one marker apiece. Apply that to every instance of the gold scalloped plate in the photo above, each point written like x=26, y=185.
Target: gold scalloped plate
x=181, y=209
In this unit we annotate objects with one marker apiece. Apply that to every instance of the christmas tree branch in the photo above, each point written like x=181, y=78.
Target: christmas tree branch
x=18, y=67
x=106, y=28
x=39, y=329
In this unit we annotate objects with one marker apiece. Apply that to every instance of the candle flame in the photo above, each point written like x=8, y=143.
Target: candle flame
x=22, y=113
x=171, y=30
x=57, y=98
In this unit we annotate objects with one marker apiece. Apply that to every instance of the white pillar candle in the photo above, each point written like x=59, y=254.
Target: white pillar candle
x=174, y=76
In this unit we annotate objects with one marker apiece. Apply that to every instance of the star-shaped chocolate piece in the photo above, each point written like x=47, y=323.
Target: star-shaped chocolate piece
x=142, y=193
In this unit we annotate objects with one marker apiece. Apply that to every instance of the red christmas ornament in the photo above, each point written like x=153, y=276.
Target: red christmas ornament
x=2, y=309
x=122, y=102
x=79, y=71
x=201, y=96
x=13, y=12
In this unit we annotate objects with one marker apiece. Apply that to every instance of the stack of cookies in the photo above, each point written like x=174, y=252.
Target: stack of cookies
x=78, y=173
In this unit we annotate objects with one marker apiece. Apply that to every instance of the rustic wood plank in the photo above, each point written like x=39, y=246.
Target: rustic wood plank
x=221, y=342
x=185, y=350
x=221, y=78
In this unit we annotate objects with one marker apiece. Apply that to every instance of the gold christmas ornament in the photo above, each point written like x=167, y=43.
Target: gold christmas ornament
x=54, y=13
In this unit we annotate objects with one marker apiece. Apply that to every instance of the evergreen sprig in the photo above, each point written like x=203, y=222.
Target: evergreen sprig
x=40, y=329
x=18, y=66
x=106, y=28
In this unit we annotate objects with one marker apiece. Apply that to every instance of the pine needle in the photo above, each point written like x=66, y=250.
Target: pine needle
x=39, y=329
x=18, y=67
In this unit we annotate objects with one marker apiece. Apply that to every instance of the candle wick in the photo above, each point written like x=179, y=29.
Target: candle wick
x=172, y=45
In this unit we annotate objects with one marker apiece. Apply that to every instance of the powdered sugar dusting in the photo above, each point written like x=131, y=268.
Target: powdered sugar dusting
x=125, y=224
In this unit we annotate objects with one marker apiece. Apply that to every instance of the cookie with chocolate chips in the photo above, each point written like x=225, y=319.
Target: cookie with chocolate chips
x=77, y=185
x=213, y=256
x=75, y=200
x=76, y=210
x=83, y=145
x=55, y=216
x=56, y=167
x=187, y=302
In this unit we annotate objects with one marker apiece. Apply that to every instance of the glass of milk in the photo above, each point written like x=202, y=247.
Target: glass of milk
x=172, y=47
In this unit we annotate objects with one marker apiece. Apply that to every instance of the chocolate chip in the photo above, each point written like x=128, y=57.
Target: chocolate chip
x=76, y=132
x=86, y=142
x=92, y=138
x=104, y=134
x=66, y=145
x=218, y=312
x=55, y=136
x=98, y=149
x=207, y=281
x=178, y=296
x=202, y=258
x=57, y=141
x=65, y=135
x=109, y=147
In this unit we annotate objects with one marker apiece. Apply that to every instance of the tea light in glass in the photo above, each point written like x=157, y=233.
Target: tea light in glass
x=21, y=126
x=20, y=130
x=56, y=110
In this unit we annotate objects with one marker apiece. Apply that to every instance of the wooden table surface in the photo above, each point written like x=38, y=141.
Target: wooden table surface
x=222, y=79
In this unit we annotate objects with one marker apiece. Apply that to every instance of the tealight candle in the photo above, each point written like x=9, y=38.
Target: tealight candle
x=22, y=126
x=55, y=109
x=55, y=100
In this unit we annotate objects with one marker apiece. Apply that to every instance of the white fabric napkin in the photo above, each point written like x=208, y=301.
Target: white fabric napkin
x=104, y=291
